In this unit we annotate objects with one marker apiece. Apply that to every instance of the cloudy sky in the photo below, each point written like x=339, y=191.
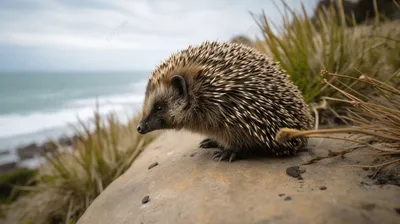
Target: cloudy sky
x=119, y=34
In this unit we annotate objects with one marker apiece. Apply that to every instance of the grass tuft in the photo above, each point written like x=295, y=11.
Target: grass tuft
x=376, y=114
x=69, y=182
x=15, y=178
x=304, y=46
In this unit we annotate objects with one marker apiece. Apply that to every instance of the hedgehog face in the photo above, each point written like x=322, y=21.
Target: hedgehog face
x=163, y=106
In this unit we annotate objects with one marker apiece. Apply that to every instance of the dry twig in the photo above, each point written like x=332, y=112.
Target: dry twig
x=376, y=115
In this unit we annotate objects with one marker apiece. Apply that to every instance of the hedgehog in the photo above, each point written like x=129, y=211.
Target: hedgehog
x=231, y=93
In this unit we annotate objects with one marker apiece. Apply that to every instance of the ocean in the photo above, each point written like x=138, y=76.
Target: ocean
x=36, y=106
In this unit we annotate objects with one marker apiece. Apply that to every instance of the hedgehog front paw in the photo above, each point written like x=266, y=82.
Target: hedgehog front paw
x=225, y=154
x=208, y=143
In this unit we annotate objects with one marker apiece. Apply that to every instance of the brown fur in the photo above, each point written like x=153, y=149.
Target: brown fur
x=237, y=96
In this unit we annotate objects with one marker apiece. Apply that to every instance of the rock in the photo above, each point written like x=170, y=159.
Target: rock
x=390, y=176
x=29, y=151
x=8, y=166
x=65, y=140
x=4, y=152
x=288, y=198
x=294, y=171
x=145, y=199
x=322, y=188
x=49, y=146
x=69, y=141
x=32, y=150
x=152, y=165
x=200, y=190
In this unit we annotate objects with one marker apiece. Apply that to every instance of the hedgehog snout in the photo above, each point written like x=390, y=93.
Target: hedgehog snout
x=141, y=128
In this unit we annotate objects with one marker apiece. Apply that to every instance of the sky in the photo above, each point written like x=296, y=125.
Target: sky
x=95, y=35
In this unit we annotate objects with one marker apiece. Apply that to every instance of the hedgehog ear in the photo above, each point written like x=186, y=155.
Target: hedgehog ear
x=179, y=83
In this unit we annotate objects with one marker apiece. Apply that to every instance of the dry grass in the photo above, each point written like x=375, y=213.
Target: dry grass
x=69, y=183
x=305, y=46
x=375, y=114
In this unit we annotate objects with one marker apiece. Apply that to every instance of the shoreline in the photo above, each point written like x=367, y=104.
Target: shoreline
x=24, y=151
x=28, y=153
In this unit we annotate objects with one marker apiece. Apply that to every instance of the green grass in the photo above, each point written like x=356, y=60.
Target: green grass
x=8, y=181
x=304, y=46
x=69, y=183
x=22, y=177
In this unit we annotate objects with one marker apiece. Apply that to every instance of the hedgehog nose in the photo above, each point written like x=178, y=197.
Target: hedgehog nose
x=140, y=128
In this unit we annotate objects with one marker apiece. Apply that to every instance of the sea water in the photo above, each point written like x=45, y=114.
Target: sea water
x=36, y=106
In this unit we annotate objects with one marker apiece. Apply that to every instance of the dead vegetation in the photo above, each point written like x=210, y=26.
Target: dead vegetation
x=304, y=45
x=375, y=114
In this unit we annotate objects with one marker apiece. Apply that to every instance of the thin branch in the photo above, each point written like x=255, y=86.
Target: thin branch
x=331, y=154
x=322, y=105
x=383, y=164
x=292, y=133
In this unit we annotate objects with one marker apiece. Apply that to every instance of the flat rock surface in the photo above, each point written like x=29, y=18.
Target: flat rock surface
x=187, y=186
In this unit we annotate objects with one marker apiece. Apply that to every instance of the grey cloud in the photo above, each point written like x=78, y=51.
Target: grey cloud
x=122, y=27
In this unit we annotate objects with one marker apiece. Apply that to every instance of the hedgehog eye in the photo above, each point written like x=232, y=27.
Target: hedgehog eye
x=158, y=107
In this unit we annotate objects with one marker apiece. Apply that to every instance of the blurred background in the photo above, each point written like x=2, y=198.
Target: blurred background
x=69, y=63
x=57, y=57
